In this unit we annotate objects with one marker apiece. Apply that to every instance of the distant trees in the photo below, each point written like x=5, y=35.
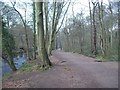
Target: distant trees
x=93, y=35
x=18, y=33
x=73, y=34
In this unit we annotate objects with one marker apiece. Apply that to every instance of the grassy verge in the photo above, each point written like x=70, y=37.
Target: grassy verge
x=29, y=66
x=5, y=76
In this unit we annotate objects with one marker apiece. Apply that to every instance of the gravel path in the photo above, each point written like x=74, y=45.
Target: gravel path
x=70, y=70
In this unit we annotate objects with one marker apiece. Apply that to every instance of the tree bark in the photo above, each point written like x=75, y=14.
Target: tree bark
x=58, y=6
x=34, y=21
x=118, y=30
x=40, y=27
x=102, y=38
x=12, y=65
x=91, y=27
x=46, y=24
x=51, y=41
x=103, y=31
x=111, y=23
x=94, y=32
x=67, y=40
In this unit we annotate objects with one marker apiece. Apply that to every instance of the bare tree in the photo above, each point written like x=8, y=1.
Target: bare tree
x=24, y=23
x=58, y=7
x=119, y=30
x=46, y=24
x=111, y=23
x=41, y=41
x=34, y=21
x=91, y=26
x=94, y=32
x=102, y=37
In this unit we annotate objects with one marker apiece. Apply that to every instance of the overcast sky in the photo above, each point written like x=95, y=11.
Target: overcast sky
x=79, y=5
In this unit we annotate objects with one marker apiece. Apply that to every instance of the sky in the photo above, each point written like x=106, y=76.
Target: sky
x=79, y=5
x=82, y=5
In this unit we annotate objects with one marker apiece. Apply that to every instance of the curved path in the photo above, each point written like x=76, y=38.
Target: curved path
x=88, y=72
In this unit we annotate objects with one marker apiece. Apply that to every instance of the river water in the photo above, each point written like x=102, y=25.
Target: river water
x=19, y=60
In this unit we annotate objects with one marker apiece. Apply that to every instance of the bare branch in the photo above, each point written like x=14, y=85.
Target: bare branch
x=13, y=4
x=63, y=18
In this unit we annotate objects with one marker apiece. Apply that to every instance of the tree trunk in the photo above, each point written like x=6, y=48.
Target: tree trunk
x=26, y=34
x=102, y=39
x=91, y=27
x=12, y=65
x=51, y=41
x=111, y=23
x=94, y=32
x=46, y=24
x=118, y=30
x=34, y=21
x=40, y=27
x=103, y=31
x=58, y=6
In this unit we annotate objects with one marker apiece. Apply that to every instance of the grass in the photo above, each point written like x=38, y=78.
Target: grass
x=98, y=57
x=112, y=57
x=5, y=76
x=29, y=66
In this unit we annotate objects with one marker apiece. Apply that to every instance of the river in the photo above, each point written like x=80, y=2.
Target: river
x=19, y=60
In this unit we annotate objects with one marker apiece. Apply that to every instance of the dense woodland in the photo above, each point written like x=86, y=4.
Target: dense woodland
x=49, y=28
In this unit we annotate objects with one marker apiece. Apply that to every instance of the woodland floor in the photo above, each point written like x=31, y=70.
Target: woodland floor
x=70, y=70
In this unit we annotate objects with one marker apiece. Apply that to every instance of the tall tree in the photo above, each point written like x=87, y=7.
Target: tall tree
x=102, y=36
x=58, y=7
x=94, y=32
x=24, y=23
x=46, y=23
x=34, y=21
x=51, y=40
x=91, y=27
x=41, y=41
x=111, y=23
x=119, y=30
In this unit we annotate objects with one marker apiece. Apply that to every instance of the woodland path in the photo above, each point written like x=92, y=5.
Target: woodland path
x=70, y=70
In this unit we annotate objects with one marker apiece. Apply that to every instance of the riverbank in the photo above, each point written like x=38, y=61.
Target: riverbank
x=18, y=60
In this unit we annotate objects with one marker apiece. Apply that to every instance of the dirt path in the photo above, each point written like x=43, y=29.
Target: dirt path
x=69, y=71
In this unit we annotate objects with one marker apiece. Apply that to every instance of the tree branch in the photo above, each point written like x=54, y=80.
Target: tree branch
x=63, y=18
